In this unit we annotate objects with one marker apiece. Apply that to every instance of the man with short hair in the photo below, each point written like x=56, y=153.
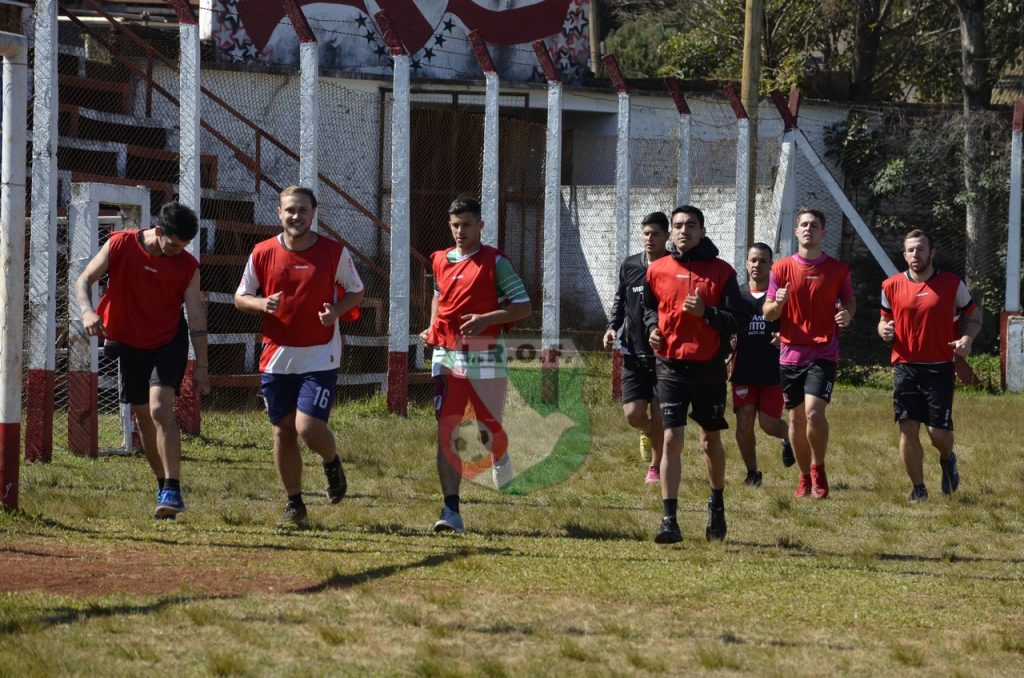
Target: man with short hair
x=301, y=284
x=627, y=324
x=150, y=276
x=693, y=307
x=477, y=294
x=756, y=392
x=920, y=308
x=812, y=295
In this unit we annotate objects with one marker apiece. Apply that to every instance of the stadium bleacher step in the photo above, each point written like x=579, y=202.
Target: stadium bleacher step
x=100, y=95
x=86, y=123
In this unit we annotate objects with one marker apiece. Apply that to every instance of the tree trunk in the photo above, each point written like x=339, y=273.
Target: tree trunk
x=867, y=35
x=977, y=92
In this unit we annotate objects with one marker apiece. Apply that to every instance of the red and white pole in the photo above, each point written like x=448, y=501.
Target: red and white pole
x=189, y=189
x=398, y=302
x=623, y=184
x=551, y=304
x=12, y=261
x=42, y=292
x=489, y=180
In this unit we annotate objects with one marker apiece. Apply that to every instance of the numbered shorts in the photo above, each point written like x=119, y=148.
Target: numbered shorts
x=143, y=369
x=766, y=398
x=677, y=394
x=311, y=393
x=816, y=379
x=924, y=393
x=639, y=381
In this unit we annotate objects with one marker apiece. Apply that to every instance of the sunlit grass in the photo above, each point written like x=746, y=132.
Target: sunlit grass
x=563, y=580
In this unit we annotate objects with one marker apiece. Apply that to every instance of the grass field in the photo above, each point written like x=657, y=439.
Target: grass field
x=562, y=580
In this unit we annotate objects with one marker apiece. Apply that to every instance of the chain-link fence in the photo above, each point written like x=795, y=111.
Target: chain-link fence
x=118, y=124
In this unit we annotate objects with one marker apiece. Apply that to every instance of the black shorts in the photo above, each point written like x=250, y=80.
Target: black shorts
x=678, y=393
x=639, y=379
x=816, y=378
x=924, y=393
x=142, y=369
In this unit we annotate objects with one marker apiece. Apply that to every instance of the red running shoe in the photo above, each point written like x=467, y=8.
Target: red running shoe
x=819, y=483
x=804, y=488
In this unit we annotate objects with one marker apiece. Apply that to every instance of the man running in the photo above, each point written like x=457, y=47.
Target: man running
x=627, y=325
x=812, y=295
x=693, y=306
x=477, y=294
x=300, y=283
x=756, y=392
x=919, y=311
x=150, y=276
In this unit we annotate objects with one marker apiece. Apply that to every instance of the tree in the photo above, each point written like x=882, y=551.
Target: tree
x=977, y=93
x=635, y=46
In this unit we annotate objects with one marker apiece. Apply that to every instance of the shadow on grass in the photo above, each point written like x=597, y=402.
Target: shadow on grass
x=69, y=615
x=340, y=581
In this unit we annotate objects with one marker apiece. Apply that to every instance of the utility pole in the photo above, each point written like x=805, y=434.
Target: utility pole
x=595, y=38
x=749, y=89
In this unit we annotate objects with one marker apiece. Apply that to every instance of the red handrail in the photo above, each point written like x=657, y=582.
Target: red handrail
x=252, y=163
x=150, y=50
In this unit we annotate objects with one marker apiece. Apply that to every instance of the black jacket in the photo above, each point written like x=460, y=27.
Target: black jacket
x=627, y=312
x=732, y=313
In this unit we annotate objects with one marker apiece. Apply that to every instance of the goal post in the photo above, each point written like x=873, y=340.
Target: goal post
x=83, y=350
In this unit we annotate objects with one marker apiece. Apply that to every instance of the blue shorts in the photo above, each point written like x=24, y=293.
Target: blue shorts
x=311, y=393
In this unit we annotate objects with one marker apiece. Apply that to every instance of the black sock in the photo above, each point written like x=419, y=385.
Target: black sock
x=452, y=502
x=333, y=464
x=920, y=487
x=172, y=484
x=717, y=500
x=160, y=483
x=295, y=500
x=671, y=505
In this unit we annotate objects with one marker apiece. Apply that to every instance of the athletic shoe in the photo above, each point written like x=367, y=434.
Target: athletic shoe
x=803, y=489
x=788, y=458
x=716, y=523
x=819, y=482
x=169, y=503
x=294, y=517
x=502, y=472
x=753, y=478
x=669, y=532
x=450, y=521
x=645, y=447
x=919, y=493
x=337, y=485
x=950, y=474
x=653, y=476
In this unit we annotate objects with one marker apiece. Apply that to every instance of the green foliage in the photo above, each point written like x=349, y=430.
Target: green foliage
x=917, y=55
x=637, y=47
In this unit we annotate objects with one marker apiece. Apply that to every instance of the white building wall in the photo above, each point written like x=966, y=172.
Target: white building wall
x=351, y=125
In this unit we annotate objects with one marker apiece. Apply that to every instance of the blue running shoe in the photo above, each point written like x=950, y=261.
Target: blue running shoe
x=169, y=503
x=950, y=474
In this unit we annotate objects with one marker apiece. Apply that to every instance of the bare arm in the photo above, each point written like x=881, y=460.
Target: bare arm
x=197, y=333
x=331, y=312
x=94, y=270
x=886, y=329
x=845, y=311
x=250, y=303
x=971, y=325
x=772, y=310
x=434, y=302
x=473, y=323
